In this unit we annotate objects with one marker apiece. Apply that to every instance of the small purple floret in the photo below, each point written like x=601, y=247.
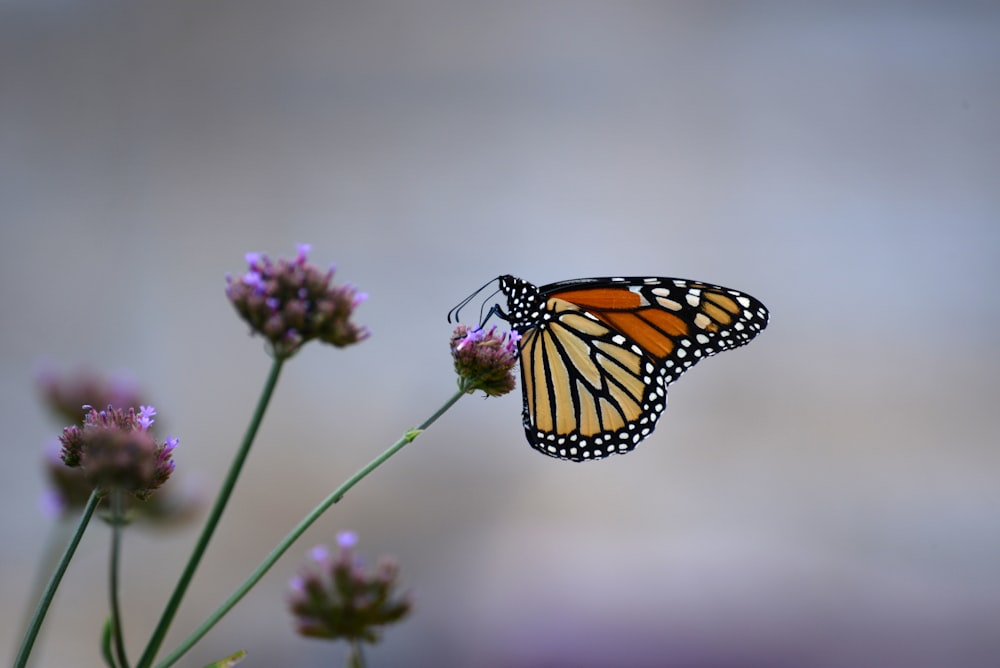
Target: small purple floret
x=145, y=417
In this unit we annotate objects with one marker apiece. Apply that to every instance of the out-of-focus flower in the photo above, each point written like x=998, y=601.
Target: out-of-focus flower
x=70, y=488
x=116, y=450
x=66, y=394
x=335, y=597
x=290, y=302
x=484, y=360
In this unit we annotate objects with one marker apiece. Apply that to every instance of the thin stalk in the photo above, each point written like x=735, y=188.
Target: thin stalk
x=57, y=538
x=356, y=655
x=117, y=518
x=300, y=528
x=156, y=640
x=53, y=585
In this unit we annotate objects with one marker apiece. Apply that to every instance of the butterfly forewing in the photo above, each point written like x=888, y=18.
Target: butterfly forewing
x=598, y=354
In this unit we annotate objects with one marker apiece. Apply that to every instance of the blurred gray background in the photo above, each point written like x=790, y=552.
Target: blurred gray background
x=828, y=496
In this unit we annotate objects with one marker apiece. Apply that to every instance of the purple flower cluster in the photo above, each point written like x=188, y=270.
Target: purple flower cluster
x=336, y=598
x=290, y=302
x=69, y=490
x=115, y=450
x=484, y=360
x=65, y=393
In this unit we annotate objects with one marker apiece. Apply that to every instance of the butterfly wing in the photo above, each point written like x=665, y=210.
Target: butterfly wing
x=598, y=354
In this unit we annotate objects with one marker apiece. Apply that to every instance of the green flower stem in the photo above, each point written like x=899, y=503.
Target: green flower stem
x=117, y=520
x=57, y=575
x=356, y=655
x=149, y=654
x=54, y=546
x=300, y=528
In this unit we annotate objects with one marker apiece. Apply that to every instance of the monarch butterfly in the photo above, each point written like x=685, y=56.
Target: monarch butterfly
x=597, y=354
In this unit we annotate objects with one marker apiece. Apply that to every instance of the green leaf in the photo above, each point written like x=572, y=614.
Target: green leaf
x=106, y=643
x=230, y=660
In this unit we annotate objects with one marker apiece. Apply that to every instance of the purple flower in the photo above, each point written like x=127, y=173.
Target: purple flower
x=293, y=302
x=70, y=487
x=254, y=280
x=145, y=417
x=320, y=553
x=52, y=503
x=115, y=450
x=484, y=360
x=65, y=393
x=336, y=598
x=471, y=336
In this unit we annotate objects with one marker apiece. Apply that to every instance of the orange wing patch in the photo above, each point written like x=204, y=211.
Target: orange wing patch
x=601, y=298
x=720, y=307
x=665, y=321
x=650, y=329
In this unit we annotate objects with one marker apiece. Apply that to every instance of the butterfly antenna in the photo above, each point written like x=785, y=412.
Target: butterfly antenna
x=453, y=313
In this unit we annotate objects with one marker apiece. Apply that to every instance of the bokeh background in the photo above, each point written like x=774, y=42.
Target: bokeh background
x=828, y=496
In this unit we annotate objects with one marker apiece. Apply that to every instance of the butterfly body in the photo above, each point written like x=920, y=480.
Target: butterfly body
x=597, y=354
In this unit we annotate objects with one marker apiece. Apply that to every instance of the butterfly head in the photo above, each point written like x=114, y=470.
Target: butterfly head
x=523, y=302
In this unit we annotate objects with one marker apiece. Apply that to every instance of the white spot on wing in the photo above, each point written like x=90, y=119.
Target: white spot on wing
x=669, y=304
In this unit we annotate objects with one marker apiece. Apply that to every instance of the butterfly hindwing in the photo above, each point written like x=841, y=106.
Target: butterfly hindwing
x=598, y=354
x=588, y=392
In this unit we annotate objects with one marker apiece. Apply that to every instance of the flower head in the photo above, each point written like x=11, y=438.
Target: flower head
x=64, y=394
x=115, y=450
x=69, y=488
x=484, y=360
x=290, y=302
x=335, y=597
